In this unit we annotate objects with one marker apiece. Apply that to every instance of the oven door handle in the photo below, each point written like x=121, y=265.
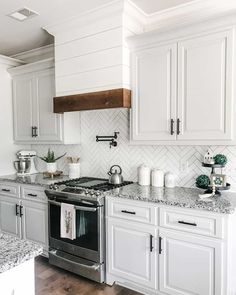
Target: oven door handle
x=81, y=208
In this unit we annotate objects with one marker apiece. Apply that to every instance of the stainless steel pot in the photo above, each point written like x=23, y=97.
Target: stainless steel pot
x=22, y=166
x=115, y=177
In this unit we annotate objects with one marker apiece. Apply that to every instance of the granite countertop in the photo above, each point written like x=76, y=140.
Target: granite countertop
x=14, y=251
x=178, y=197
x=33, y=179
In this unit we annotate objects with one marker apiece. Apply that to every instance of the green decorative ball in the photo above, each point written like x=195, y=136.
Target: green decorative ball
x=203, y=181
x=220, y=159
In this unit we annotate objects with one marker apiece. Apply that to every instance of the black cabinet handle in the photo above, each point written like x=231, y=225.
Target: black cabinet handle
x=151, y=244
x=35, y=131
x=6, y=190
x=17, y=210
x=21, y=209
x=160, y=249
x=172, y=126
x=128, y=212
x=32, y=195
x=178, y=126
x=187, y=223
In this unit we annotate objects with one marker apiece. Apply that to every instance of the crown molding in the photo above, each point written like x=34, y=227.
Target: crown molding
x=189, y=13
x=48, y=49
x=10, y=62
x=31, y=67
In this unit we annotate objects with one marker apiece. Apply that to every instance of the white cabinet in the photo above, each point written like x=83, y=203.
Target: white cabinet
x=25, y=216
x=185, y=252
x=183, y=91
x=130, y=252
x=34, y=120
x=190, y=264
x=9, y=221
x=35, y=222
x=154, y=93
x=205, y=96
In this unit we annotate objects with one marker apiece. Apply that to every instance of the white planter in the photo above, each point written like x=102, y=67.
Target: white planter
x=51, y=167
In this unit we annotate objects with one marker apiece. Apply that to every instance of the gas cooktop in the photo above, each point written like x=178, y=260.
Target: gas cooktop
x=78, y=184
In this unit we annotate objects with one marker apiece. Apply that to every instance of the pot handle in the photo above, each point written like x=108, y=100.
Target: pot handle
x=113, y=167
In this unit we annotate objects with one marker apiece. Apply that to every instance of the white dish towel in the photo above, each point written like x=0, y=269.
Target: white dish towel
x=68, y=226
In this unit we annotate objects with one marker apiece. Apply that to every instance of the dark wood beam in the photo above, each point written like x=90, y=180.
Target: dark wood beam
x=115, y=98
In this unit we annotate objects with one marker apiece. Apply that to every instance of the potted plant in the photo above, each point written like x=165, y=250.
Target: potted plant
x=50, y=159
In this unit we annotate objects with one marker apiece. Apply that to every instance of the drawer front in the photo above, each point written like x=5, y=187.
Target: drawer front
x=192, y=222
x=34, y=193
x=10, y=189
x=131, y=211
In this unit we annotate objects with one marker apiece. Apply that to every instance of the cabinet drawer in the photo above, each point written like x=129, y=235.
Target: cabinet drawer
x=193, y=222
x=33, y=193
x=10, y=189
x=136, y=211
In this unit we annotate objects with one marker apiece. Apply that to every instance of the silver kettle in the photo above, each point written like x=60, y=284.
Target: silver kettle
x=115, y=177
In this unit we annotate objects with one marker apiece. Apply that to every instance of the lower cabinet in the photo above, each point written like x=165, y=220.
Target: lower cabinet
x=190, y=264
x=155, y=260
x=25, y=219
x=35, y=222
x=9, y=221
x=131, y=252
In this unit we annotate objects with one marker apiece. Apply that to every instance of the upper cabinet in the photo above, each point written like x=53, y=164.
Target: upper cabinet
x=34, y=120
x=182, y=91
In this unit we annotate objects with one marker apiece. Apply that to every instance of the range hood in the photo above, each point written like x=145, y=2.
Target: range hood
x=115, y=98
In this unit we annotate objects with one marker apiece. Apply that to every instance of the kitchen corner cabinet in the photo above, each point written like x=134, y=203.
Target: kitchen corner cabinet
x=24, y=213
x=156, y=249
x=34, y=120
x=182, y=91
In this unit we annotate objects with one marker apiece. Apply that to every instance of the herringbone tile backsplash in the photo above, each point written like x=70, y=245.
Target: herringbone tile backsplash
x=97, y=157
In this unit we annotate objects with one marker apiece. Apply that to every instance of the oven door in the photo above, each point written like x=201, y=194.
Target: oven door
x=89, y=231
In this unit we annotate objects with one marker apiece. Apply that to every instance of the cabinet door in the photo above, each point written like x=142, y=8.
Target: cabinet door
x=9, y=221
x=48, y=123
x=35, y=222
x=205, y=80
x=154, y=93
x=190, y=265
x=23, y=96
x=129, y=255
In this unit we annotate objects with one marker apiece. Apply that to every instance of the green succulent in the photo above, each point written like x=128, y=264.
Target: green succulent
x=220, y=159
x=50, y=157
x=202, y=181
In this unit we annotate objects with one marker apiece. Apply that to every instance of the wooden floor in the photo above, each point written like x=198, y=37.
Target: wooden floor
x=51, y=280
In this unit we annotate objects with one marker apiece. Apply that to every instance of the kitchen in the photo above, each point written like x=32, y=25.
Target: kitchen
x=148, y=86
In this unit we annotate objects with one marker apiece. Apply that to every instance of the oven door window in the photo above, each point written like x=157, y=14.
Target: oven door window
x=86, y=228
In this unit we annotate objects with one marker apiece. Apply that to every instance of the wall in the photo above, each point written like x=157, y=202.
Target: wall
x=7, y=147
x=96, y=158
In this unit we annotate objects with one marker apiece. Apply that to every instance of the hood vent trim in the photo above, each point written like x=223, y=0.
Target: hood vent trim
x=115, y=98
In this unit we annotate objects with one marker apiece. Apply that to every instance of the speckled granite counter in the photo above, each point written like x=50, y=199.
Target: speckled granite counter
x=179, y=197
x=34, y=179
x=14, y=251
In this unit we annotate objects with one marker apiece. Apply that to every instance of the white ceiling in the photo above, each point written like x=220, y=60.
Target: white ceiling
x=18, y=36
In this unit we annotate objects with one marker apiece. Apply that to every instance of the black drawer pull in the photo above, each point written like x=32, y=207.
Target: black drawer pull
x=128, y=212
x=6, y=190
x=187, y=223
x=32, y=195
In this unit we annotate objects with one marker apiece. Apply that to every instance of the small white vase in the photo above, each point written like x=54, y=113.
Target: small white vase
x=74, y=170
x=51, y=167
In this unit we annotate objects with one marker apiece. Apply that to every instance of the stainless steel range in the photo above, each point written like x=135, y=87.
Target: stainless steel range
x=85, y=255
